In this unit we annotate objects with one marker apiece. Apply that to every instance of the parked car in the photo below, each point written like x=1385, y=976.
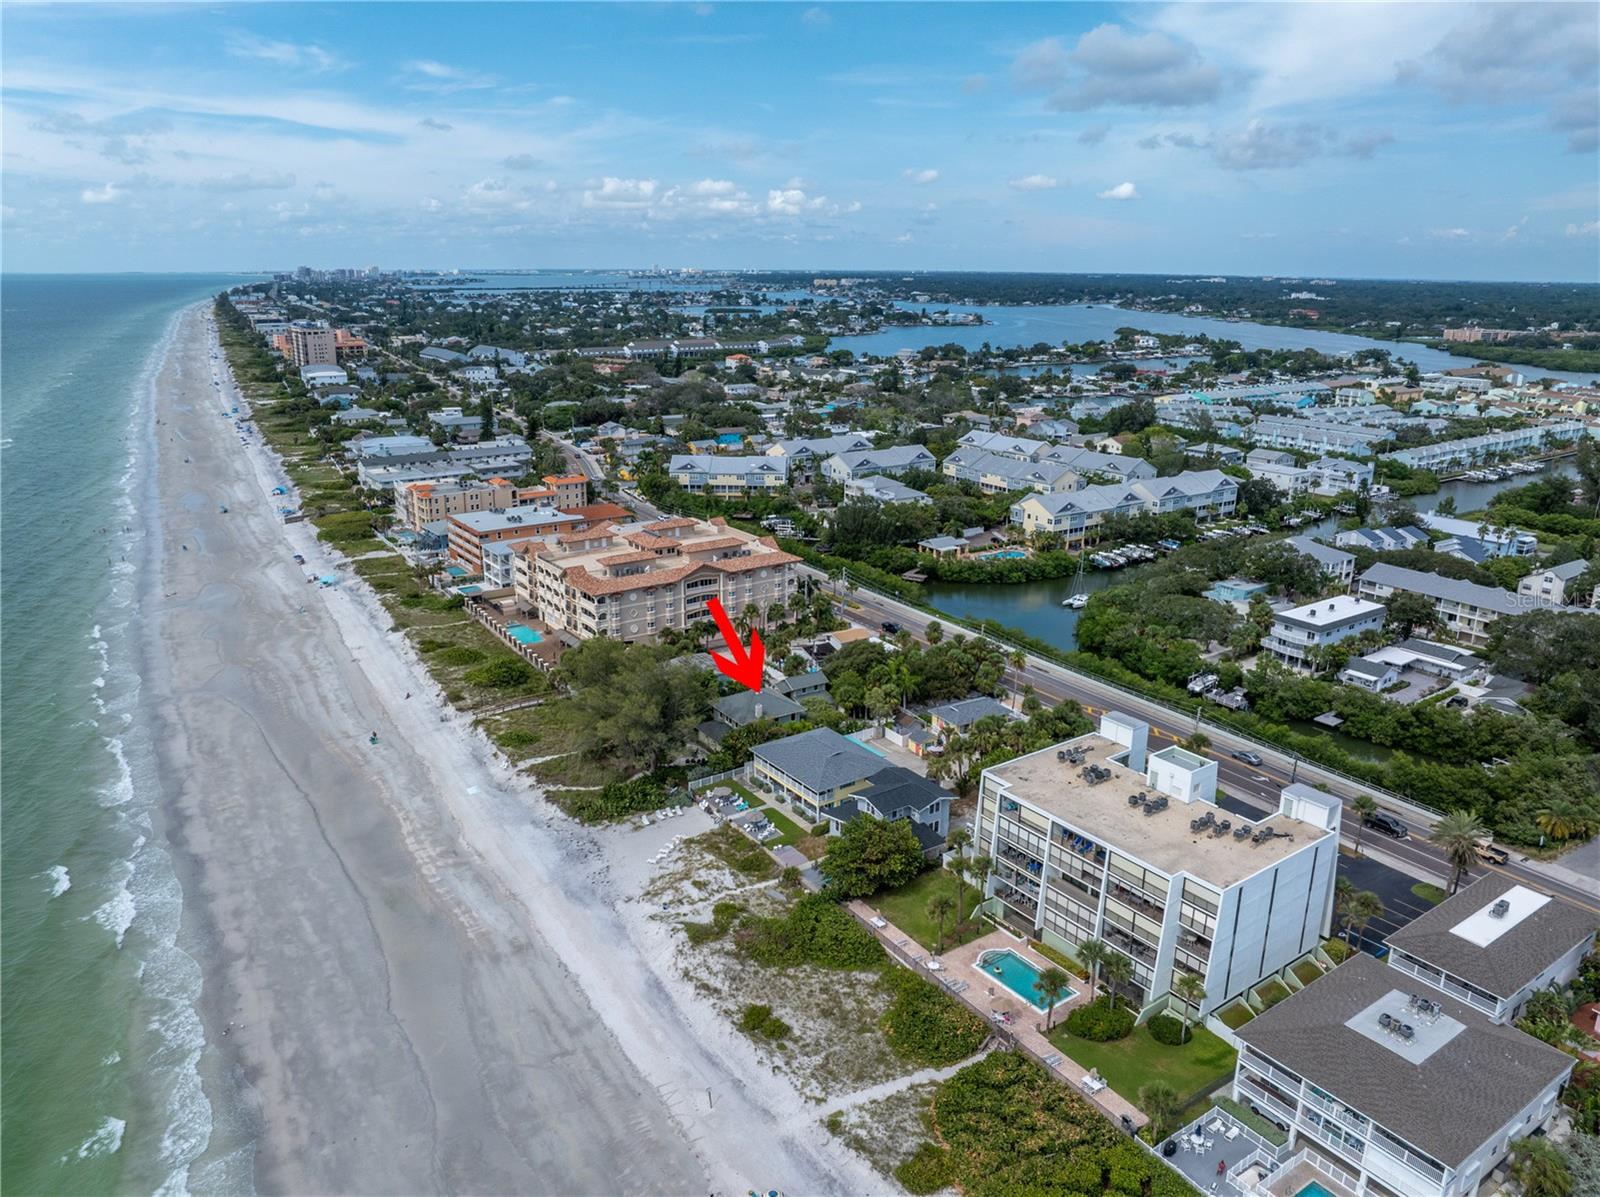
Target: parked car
x=890, y=628
x=1249, y=758
x=1386, y=823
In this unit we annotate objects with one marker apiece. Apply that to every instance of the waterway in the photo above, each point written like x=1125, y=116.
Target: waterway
x=1035, y=607
x=1006, y=326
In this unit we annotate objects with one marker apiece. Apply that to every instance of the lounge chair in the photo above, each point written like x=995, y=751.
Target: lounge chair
x=1093, y=1084
x=878, y=921
x=1231, y=1134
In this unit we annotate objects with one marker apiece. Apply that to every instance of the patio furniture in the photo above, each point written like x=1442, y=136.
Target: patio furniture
x=1093, y=1084
x=1232, y=1133
x=878, y=921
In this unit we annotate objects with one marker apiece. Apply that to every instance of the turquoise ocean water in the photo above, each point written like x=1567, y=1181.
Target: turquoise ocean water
x=100, y=1037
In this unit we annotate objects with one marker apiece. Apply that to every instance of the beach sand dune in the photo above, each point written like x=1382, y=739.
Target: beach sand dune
x=418, y=976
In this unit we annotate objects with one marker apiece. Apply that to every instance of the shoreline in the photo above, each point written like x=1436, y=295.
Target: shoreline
x=475, y=964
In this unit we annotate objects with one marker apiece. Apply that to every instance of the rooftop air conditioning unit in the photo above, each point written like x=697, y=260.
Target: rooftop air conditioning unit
x=1500, y=909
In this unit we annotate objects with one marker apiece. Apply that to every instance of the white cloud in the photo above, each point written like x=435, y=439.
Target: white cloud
x=1589, y=228
x=1455, y=234
x=714, y=187
x=293, y=55
x=904, y=239
x=921, y=177
x=109, y=194
x=1122, y=191
x=1033, y=183
x=427, y=74
x=621, y=193
x=250, y=181
x=793, y=201
x=1112, y=66
x=816, y=18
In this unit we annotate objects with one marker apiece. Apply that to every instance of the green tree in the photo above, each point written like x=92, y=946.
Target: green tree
x=1363, y=805
x=1456, y=834
x=934, y=631
x=1363, y=908
x=1191, y=991
x=939, y=908
x=1408, y=612
x=1118, y=970
x=870, y=855
x=1054, y=984
x=631, y=706
x=1540, y=1169
x=1160, y=1100
x=979, y=868
x=1093, y=954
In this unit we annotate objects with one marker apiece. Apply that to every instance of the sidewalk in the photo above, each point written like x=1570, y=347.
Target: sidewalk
x=958, y=974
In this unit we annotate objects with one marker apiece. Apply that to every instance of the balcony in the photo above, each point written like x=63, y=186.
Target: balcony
x=1135, y=900
x=1125, y=942
x=1271, y=1072
x=1271, y=1103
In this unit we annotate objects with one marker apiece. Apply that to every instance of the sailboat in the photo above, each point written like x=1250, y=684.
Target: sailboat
x=1078, y=598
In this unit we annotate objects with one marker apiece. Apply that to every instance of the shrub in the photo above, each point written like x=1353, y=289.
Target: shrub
x=515, y=737
x=926, y=1025
x=813, y=931
x=502, y=674
x=460, y=654
x=616, y=801
x=431, y=644
x=928, y=1171
x=1338, y=951
x=1166, y=1029
x=723, y=915
x=760, y=1020
x=1100, y=1021
x=820, y=829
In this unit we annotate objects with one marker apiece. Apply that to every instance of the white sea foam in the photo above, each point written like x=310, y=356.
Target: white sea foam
x=106, y=1140
x=119, y=790
x=61, y=880
x=116, y=915
x=112, y=1060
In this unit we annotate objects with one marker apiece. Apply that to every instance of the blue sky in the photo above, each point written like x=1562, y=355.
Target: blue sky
x=1427, y=140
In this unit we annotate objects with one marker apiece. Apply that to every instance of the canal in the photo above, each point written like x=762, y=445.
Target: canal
x=1035, y=607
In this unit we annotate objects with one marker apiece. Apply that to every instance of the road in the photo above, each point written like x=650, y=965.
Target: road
x=1251, y=791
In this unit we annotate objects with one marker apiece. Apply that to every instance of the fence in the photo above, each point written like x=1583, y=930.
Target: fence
x=700, y=783
x=1310, y=768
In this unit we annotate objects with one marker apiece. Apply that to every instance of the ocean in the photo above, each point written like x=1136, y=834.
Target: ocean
x=100, y=1039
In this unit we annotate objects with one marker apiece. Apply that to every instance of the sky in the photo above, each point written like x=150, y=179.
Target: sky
x=1357, y=140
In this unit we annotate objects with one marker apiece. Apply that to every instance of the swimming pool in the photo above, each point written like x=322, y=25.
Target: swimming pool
x=1004, y=554
x=1017, y=975
x=523, y=634
x=1313, y=1190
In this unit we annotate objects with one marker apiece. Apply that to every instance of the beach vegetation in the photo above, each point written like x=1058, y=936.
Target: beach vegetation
x=723, y=916
x=814, y=930
x=870, y=855
x=759, y=1021
x=501, y=674
x=632, y=706
x=746, y=858
x=925, y=1024
x=460, y=654
x=928, y=1170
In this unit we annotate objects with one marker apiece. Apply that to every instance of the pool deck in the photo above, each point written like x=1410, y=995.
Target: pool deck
x=960, y=975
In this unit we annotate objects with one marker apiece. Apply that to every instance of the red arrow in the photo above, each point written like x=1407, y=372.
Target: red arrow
x=744, y=668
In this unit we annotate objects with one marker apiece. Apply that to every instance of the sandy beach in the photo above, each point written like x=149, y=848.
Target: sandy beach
x=418, y=976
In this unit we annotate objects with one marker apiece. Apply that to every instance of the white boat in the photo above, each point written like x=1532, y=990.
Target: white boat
x=1076, y=602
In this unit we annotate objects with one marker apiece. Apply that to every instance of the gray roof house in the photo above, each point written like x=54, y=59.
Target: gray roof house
x=864, y=463
x=802, y=686
x=898, y=793
x=1432, y=1094
x=1494, y=962
x=1338, y=565
x=958, y=716
x=1464, y=608
x=814, y=770
x=746, y=706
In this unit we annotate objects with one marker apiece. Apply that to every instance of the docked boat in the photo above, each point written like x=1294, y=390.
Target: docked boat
x=1077, y=598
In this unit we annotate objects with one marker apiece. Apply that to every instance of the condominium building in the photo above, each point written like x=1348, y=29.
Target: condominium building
x=1514, y=442
x=1336, y=566
x=1551, y=584
x=1495, y=944
x=999, y=473
x=1078, y=515
x=1315, y=436
x=1083, y=849
x=633, y=581
x=311, y=343
x=1409, y=1094
x=1495, y=540
x=1465, y=609
x=728, y=477
x=1300, y=632
x=419, y=503
x=866, y=463
x=470, y=531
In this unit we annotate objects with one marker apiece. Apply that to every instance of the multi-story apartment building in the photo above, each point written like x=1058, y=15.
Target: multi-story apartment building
x=1551, y=584
x=470, y=531
x=998, y=473
x=729, y=477
x=1495, y=540
x=419, y=503
x=1465, y=609
x=1082, y=849
x=1409, y=1094
x=1078, y=515
x=1298, y=633
x=1336, y=566
x=1315, y=436
x=1495, y=944
x=633, y=581
x=1514, y=442
x=311, y=343
x=865, y=463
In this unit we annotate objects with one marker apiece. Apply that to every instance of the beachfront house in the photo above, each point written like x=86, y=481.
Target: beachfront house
x=814, y=771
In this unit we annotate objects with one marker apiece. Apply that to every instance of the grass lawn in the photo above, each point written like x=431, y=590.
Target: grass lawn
x=1431, y=894
x=1271, y=993
x=1201, y=1064
x=1307, y=972
x=907, y=908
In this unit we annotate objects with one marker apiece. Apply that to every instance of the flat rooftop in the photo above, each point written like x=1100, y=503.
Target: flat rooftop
x=1162, y=840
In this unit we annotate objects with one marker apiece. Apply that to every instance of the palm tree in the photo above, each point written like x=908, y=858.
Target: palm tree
x=1019, y=661
x=1456, y=835
x=1093, y=952
x=1191, y=991
x=1564, y=821
x=1343, y=891
x=1540, y=1169
x=979, y=867
x=899, y=677
x=1118, y=970
x=1159, y=1100
x=1053, y=985
x=1363, y=805
x=939, y=908
x=956, y=842
x=1364, y=907
x=750, y=617
x=798, y=603
x=774, y=614
x=934, y=631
